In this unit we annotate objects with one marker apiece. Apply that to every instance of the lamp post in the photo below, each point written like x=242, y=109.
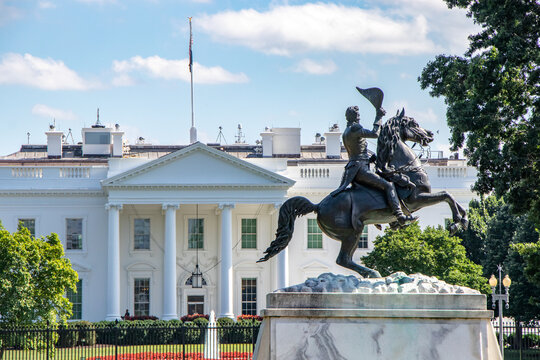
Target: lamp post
x=500, y=297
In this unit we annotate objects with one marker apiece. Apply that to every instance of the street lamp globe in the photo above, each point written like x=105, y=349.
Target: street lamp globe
x=492, y=281
x=506, y=281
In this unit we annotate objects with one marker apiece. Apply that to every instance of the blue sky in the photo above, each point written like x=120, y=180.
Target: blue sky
x=257, y=63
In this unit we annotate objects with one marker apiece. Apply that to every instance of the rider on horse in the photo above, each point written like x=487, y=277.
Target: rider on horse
x=357, y=169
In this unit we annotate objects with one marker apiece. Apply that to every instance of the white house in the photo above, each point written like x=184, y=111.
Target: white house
x=136, y=220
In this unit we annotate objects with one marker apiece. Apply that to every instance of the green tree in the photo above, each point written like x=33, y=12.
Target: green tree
x=34, y=276
x=480, y=213
x=494, y=230
x=432, y=252
x=530, y=253
x=493, y=99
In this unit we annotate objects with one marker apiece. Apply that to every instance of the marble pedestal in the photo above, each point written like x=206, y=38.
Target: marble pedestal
x=345, y=326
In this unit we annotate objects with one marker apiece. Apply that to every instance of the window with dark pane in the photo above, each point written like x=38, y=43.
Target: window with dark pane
x=141, y=294
x=314, y=234
x=249, y=233
x=195, y=304
x=141, y=233
x=74, y=234
x=249, y=296
x=30, y=224
x=75, y=297
x=195, y=233
x=363, y=243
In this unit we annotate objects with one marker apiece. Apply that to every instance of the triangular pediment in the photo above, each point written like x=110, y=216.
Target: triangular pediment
x=198, y=165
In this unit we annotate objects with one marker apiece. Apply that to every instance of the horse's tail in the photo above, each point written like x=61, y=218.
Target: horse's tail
x=289, y=211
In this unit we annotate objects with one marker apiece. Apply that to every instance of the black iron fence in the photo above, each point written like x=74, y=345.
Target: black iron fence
x=126, y=341
x=521, y=341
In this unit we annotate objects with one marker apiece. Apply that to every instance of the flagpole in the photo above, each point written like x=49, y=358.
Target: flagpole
x=193, y=130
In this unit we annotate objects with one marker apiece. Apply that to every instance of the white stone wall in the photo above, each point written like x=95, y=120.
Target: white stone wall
x=52, y=194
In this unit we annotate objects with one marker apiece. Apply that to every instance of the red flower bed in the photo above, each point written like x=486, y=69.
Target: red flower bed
x=249, y=317
x=140, y=317
x=235, y=355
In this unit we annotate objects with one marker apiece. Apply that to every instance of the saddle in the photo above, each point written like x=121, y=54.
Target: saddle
x=364, y=197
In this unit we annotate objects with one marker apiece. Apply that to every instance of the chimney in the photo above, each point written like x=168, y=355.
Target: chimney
x=333, y=142
x=54, y=143
x=117, y=141
x=286, y=142
x=267, y=142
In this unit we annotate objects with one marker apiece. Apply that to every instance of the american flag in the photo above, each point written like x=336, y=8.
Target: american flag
x=190, y=44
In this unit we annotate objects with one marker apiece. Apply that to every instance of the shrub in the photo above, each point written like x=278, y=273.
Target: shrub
x=225, y=321
x=530, y=341
x=193, y=333
x=104, y=332
x=86, y=333
x=67, y=336
x=245, y=331
x=201, y=322
x=192, y=317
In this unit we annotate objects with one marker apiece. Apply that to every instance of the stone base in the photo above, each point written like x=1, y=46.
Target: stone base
x=339, y=326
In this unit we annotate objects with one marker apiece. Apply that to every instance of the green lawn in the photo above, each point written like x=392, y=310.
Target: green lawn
x=80, y=353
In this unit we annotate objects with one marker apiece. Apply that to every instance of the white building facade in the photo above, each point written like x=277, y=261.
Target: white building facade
x=135, y=221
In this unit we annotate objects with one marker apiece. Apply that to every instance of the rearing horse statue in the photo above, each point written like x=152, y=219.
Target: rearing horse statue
x=395, y=159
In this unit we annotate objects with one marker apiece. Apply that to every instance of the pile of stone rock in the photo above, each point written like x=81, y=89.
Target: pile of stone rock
x=398, y=282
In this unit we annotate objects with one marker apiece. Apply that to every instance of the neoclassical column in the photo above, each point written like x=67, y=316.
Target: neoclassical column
x=113, y=262
x=226, y=283
x=283, y=256
x=169, y=263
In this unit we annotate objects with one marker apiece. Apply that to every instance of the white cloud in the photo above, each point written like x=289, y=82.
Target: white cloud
x=284, y=30
x=123, y=80
x=316, y=68
x=52, y=113
x=448, y=28
x=47, y=74
x=158, y=67
x=405, y=27
x=46, y=5
x=8, y=13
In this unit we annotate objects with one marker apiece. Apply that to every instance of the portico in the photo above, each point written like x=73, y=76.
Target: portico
x=190, y=201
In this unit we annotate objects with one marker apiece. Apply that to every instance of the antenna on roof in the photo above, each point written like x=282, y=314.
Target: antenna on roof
x=193, y=130
x=221, y=136
x=98, y=123
x=240, y=138
x=67, y=137
x=28, y=136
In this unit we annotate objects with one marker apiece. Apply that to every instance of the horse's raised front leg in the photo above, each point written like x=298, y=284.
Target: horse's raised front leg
x=420, y=200
x=348, y=247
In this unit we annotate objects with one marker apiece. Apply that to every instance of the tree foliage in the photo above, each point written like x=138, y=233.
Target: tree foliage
x=480, y=213
x=493, y=99
x=432, y=252
x=34, y=276
x=530, y=253
x=494, y=231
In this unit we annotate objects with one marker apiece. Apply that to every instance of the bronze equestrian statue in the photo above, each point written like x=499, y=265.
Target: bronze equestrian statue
x=343, y=215
x=357, y=170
